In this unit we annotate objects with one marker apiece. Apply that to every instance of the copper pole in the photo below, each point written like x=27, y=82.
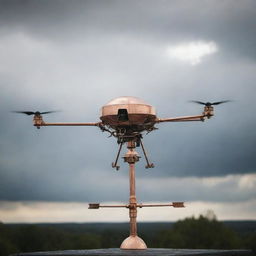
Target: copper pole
x=132, y=201
x=133, y=241
x=131, y=157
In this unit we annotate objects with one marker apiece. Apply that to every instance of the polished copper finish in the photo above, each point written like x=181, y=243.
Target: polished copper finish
x=140, y=115
x=134, y=106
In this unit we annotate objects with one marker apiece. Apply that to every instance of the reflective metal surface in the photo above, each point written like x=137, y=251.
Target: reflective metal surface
x=139, y=112
x=126, y=100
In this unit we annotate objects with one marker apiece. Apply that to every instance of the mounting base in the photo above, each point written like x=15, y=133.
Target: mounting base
x=149, y=252
x=133, y=243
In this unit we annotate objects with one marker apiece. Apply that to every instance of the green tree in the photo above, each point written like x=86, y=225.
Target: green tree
x=202, y=232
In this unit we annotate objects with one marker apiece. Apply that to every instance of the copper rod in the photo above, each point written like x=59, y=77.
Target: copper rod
x=154, y=205
x=137, y=205
x=68, y=124
x=174, y=119
x=188, y=120
x=113, y=206
x=132, y=180
x=131, y=157
x=133, y=202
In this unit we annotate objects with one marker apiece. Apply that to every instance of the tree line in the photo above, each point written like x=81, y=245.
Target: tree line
x=191, y=233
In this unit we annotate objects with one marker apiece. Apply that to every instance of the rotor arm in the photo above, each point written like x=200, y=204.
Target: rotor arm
x=38, y=122
x=207, y=113
x=182, y=119
x=68, y=124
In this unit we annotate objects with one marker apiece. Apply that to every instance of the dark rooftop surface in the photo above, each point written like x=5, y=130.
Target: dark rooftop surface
x=148, y=252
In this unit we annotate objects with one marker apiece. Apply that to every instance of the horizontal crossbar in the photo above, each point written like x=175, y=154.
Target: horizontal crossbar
x=173, y=204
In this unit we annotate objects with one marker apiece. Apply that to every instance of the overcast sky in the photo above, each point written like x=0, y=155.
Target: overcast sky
x=75, y=56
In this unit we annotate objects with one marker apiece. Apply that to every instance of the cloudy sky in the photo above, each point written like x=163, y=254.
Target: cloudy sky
x=75, y=56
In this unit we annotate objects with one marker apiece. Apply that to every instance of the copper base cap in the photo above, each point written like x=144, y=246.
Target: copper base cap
x=133, y=243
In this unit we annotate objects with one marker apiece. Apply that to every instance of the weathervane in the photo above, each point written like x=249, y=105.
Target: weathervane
x=126, y=118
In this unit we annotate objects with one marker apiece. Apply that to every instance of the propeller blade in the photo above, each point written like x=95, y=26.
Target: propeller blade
x=48, y=112
x=33, y=113
x=198, y=102
x=209, y=103
x=220, y=102
x=24, y=112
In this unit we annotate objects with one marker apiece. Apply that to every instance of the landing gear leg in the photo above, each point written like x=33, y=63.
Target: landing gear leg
x=114, y=165
x=149, y=165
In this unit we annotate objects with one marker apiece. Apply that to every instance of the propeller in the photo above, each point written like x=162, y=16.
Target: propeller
x=37, y=113
x=208, y=104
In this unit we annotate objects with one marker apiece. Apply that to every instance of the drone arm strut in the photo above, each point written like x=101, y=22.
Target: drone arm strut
x=207, y=113
x=67, y=124
x=38, y=122
x=182, y=119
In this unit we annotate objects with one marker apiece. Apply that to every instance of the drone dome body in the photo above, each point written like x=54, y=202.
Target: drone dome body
x=128, y=111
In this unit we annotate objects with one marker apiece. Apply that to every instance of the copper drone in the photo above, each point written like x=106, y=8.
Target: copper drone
x=127, y=118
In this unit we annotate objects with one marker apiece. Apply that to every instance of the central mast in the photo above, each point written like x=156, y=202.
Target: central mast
x=133, y=241
x=127, y=118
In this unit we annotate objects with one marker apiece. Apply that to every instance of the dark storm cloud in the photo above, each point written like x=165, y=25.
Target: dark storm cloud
x=230, y=23
x=77, y=55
